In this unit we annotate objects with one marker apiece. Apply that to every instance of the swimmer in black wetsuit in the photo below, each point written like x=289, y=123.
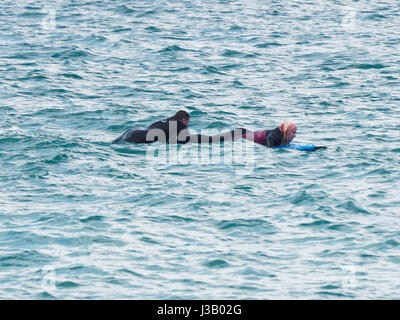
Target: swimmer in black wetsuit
x=175, y=130
x=166, y=131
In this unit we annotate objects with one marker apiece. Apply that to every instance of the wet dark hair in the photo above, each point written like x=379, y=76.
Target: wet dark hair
x=182, y=115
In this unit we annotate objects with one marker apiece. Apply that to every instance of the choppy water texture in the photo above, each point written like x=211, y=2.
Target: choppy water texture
x=82, y=218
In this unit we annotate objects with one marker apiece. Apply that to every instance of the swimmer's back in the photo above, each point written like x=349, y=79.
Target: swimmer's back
x=171, y=127
x=136, y=135
x=165, y=131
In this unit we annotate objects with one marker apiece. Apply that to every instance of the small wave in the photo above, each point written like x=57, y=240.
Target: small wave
x=59, y=158
x=25, y=258
x=17, y=56
x=213, y=70
x=71, y=53
x=217, y=263
x=180, y=69
x=92, y=218
x=147, y=13
x=235, y=27
x=72, y=76
x=133, y=273
x=335, y=294
x=232, y=53
x=33, y=77
x=28, y=14
x=376, y=17
x=253, y=225
x=351, y=207
x=149, y=240
x=124, y=9
x=45, y=296
x=231, y=66
x=67, y=285
x=153, y=29
x=94, y=39
x=364, y=66
x=302, y=196
x=339, y=84
x=189, y=94
x=173, y=48
x=268, y=45
x=315, y=223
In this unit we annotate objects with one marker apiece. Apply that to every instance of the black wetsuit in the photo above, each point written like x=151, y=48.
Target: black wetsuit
x=166, y=131
x=274, y=138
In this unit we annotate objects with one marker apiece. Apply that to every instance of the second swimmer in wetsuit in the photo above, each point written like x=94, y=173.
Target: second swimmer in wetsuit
x=279, y=136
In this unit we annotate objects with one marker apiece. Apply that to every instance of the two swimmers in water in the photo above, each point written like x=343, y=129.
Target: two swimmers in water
x=175, y=130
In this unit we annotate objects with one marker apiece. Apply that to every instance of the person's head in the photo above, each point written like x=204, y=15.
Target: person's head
x=183, y=116
x=289, y=131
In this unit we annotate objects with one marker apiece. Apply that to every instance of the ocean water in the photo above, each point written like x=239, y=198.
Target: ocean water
x=81, y=218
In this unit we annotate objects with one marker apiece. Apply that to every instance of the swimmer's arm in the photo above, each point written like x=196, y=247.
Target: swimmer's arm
x=199, y=138
x=222, y=137
x=194, y=138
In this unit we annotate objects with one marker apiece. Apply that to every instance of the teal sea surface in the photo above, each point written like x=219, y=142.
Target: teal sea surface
x=82, y=218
